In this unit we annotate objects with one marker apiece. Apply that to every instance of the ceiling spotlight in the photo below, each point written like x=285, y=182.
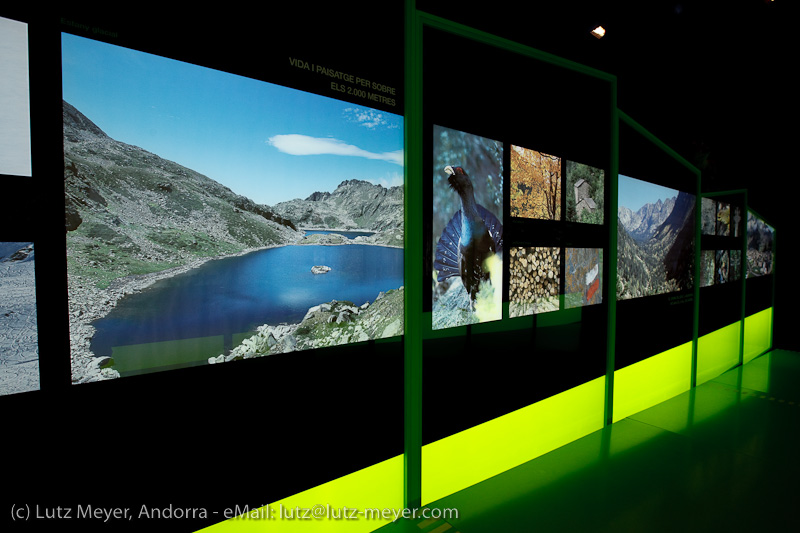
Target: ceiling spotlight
x=599, y=32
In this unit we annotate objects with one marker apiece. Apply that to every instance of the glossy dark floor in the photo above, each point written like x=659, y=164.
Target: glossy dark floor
x=724, y=456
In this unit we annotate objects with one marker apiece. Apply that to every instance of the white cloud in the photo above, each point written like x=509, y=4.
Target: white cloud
x=296, y=144
x=390, y=180
x=369, y=118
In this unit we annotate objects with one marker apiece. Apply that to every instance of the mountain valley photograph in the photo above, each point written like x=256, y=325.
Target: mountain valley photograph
x=759, y=246
x=655, y=239
x=212, y=217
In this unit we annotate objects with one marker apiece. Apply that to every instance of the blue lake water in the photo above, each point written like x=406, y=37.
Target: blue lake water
x=237, y=294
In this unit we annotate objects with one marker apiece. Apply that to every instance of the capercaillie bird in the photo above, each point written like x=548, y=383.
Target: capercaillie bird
x=472, y=236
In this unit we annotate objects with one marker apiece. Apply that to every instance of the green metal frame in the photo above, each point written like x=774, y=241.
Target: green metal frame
x=774, y=274
x=418, y=324
x=658, y=370
x=742, y=267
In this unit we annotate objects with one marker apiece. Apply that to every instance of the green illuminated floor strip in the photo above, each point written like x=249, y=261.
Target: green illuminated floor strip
x=719, y=456
x=376, y=487
x=654, y=380
x=718, y=352
x=757, y=334
x=483, y=451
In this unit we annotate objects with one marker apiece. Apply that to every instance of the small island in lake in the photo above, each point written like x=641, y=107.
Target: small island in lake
x=320, y=269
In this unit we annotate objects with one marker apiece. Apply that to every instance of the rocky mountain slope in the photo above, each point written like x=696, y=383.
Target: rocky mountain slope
x=327, y=324
x=677, y=232
x=129, y=211
x=16, y=251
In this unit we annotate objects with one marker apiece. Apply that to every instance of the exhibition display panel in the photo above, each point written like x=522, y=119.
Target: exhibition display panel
x=759, y=286
x=514, y=189
x=656, y=289
x=721, y=314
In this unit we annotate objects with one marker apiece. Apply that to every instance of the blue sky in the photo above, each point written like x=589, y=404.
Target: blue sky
x=634, y=193
x=267, y=142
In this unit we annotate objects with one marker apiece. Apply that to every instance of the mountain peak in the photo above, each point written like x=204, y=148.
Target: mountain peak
x=318, y=196
x=77, y=126
x=352, y=183
x=641, y=224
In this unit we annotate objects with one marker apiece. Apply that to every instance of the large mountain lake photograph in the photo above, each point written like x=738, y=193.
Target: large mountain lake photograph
x=212, y=217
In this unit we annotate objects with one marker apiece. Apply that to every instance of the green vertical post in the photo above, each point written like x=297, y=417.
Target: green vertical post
x=743, y=267
x=412, y=440
x=612, y=201
x=696, y=284
x=774, y=277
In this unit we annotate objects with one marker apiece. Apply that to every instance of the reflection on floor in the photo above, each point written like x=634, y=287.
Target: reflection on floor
x=721, y=457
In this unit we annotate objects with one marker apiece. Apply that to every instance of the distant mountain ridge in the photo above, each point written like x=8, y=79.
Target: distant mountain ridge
x=355, y=204
x=641, y=224
x=16, y=251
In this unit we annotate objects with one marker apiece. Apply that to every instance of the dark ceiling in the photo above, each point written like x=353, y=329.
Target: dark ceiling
x=711, y=79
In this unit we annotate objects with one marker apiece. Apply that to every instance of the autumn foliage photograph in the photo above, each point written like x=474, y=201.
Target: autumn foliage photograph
x=535, y=184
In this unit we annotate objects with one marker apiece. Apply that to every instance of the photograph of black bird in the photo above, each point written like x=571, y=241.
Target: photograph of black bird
x=472, y=235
